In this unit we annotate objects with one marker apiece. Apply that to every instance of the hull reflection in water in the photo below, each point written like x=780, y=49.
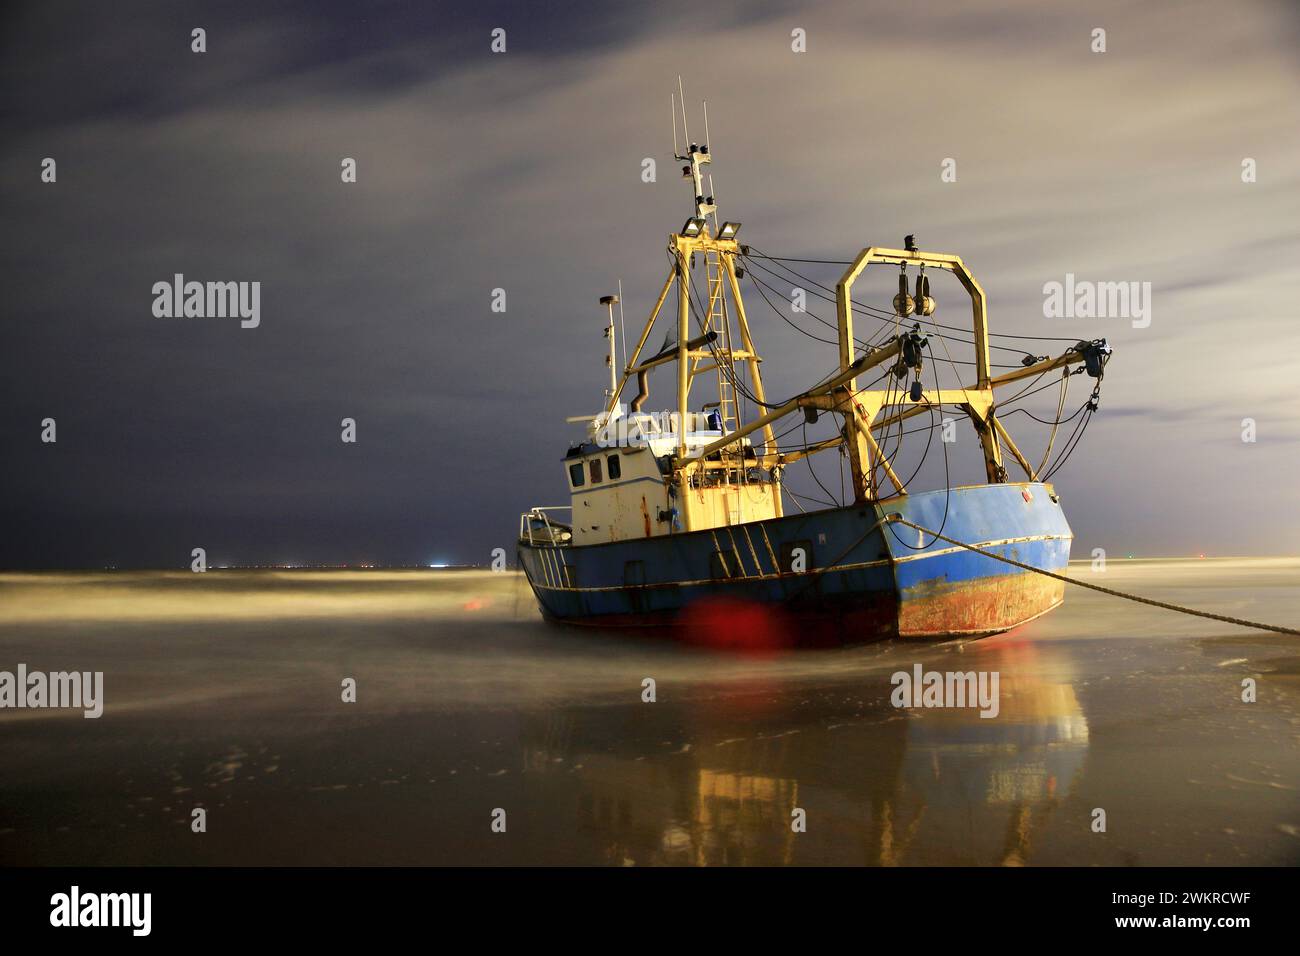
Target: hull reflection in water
x=878, y=785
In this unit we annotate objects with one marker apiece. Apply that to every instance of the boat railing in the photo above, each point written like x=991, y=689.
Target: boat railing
x=552, y=532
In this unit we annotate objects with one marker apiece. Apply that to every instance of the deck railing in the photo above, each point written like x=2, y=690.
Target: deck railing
x=539, y=513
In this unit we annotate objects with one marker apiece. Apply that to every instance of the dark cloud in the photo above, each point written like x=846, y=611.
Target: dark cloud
x=522, y=171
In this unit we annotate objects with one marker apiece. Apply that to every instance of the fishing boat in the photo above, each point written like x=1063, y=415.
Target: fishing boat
x=678, y=518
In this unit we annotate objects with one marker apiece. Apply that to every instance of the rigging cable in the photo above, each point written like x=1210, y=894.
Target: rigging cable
x=878, y=314
x=782, y=259
x=947, y=498
x=895, y=518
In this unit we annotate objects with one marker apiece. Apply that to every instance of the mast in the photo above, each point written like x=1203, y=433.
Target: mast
x=711, y=347
x=609, y=301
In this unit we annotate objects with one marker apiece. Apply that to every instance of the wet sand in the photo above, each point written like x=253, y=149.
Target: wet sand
x=223, y=692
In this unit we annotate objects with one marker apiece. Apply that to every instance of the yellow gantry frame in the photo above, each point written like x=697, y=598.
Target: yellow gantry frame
x=977, y=400
x=860, y=408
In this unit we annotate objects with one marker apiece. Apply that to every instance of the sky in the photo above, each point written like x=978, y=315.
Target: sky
x=522, y=171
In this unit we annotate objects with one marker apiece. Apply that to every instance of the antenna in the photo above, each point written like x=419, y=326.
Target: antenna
x=622, y=333
x=682, y=93
x=697, y=155
x=674, y=117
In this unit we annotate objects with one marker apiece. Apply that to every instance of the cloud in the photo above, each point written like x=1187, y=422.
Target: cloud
x=522, y=172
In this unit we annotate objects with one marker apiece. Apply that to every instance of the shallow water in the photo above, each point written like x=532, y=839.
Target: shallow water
x=223, y=692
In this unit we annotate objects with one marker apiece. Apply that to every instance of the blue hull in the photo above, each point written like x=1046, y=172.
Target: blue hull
x=829, y=577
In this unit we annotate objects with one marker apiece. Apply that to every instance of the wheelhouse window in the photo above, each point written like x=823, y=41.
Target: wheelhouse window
x=575, y=474
x=594, y=467
x=615, y=468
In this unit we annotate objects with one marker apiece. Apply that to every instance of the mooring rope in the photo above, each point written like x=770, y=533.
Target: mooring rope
x=899, y=519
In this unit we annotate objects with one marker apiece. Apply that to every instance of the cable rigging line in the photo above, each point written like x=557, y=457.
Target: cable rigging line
x=782, y=259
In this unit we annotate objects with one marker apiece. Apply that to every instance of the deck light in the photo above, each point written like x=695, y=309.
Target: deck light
x=693, y=228
x=729, y=230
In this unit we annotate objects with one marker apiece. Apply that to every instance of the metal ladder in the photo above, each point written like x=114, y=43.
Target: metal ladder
x=717, y=322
